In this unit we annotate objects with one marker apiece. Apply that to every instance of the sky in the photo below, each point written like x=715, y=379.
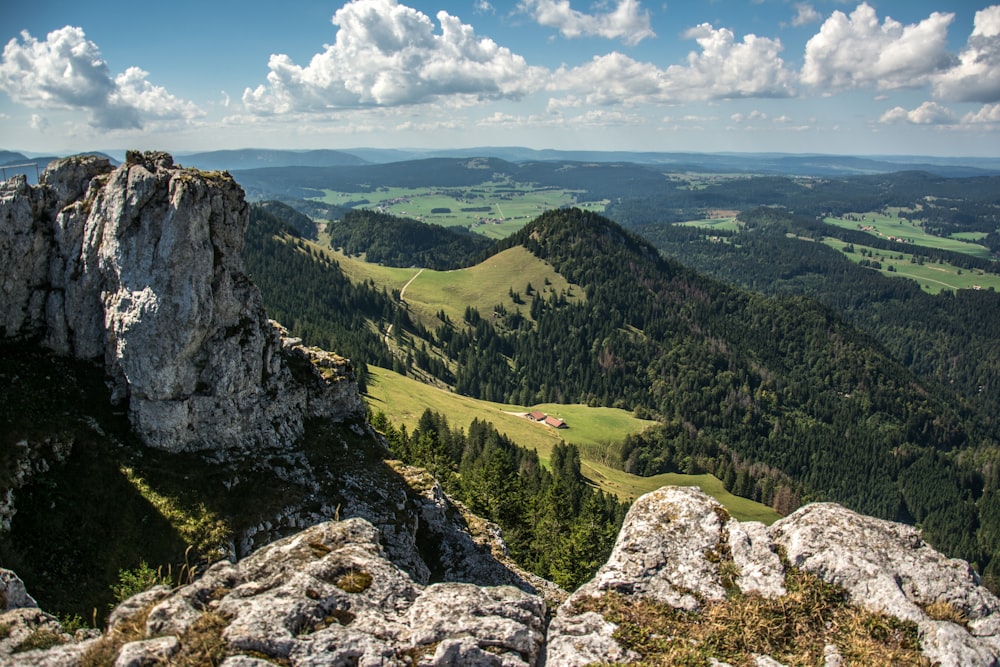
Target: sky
x=881, y=77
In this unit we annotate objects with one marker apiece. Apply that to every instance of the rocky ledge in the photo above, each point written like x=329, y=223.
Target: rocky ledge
x=329, y=596
x=139, y=268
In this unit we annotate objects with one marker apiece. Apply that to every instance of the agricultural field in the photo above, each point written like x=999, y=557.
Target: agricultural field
x=933, y=277
x=495, y=209
x=891, y=226
x=723, y=224
x=593, y=430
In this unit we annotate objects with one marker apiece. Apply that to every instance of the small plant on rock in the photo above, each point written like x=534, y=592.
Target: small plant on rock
x=354, y=581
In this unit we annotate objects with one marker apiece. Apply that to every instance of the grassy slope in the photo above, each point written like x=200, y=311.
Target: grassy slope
x=511, y=205
x=885, y=226
x=482, y=286
x=593, y=429
x=932, y=277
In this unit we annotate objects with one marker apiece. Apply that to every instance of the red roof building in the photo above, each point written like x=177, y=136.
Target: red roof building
x=555, y=422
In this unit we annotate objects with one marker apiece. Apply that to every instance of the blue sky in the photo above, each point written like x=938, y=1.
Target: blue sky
x=877, y=77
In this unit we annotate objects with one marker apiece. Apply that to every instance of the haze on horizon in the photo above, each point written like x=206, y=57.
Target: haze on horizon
x=822, y=76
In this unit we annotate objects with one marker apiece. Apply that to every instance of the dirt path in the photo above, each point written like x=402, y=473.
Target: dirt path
x=402, y=291
x=388, y=331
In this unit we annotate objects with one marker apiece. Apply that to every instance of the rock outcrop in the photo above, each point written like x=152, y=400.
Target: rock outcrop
x=680, y=548
x=139, y=267
x=325, y=596
x=330, y=596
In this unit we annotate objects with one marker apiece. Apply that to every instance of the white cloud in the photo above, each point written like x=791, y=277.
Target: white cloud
x=989, y=113
x=805, y=14
x=387, y=54
x=855, y=51
x=38, y=122
x=66, y=71
x=723, y=69
x=976, y=77
x=726, y=69
x=627, y=21
x=928, y=113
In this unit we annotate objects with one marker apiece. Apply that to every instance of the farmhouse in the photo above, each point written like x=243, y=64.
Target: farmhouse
x=555, y=422
x=548, y=420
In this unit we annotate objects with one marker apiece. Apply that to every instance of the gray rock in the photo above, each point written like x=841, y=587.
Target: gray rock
x=148, y=652
x=140, y=267
x=887, y=567
x=674, y=541
x=13, y=594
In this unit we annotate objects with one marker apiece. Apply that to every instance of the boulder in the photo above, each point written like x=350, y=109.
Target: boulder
x=325, y=596
x=678, y=547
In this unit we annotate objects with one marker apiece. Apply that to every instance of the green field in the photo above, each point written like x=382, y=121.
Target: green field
x=727, y=224
x=482, y=286
x=933, y=277
x=507, y=206
x=593, y=430
x=883, y=226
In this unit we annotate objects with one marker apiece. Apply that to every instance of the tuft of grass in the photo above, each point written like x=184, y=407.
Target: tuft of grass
x=202, y=645
x=945, y=611
x=40, y=638
x=104, y=651
x=793, y=629
x=319, y=549
x=354, y=581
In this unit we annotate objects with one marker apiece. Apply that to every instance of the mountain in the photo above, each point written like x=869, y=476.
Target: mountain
x=252, y=158
x=780, y=398
x=748, y=163
x=150, y=408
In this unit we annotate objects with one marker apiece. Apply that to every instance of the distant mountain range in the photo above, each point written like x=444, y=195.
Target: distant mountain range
x=755, y=163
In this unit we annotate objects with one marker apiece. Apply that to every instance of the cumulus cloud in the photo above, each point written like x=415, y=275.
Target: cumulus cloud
x=387, y=54
x=627, y=21
x=722, y=69
x=928, y=113
x=38, y=122
x=989, y=113
x=66, y=71
x=856, y=51
x=976, y=77
x=805, y=14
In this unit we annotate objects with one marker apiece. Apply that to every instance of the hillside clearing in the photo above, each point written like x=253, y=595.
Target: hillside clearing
x=403, y=400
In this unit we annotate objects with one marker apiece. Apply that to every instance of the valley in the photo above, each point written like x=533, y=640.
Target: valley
x=741, y=351
x=570, y=312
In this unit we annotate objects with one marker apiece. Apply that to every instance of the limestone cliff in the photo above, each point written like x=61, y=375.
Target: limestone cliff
x=330, y=596
x=139, y=267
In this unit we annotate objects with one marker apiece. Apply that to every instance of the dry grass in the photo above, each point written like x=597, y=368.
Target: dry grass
x=40, y=638
x=354, y=581
x=202, y=643
x=794, y=629
x=944, y=611
x=104, y=652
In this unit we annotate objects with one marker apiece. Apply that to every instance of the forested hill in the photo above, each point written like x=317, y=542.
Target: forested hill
x=394, y=241
x=783, y=382
x=778, y=397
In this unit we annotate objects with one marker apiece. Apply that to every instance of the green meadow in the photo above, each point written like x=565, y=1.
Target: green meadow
x=726, y=224
x=884, y=226
x=483, y=286
x=933, y=277
x=593, y=430
x=495, y=209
